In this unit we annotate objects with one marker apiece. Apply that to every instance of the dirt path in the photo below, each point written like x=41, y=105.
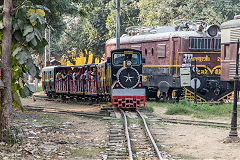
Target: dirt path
x=196, y=142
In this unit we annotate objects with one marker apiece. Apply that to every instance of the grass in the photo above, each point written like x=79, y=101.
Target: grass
x=40, y=89
x=200, y=110
x=149, y=108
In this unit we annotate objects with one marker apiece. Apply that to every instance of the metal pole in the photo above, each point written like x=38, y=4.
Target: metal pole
x=195, y=82
x=49, y=43
x=233, y=133
x=45, y=54
x=118, y=25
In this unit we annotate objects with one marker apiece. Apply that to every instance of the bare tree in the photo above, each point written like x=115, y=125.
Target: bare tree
x=6, y=99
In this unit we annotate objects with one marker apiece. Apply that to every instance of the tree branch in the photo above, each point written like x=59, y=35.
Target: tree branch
x=15, y=9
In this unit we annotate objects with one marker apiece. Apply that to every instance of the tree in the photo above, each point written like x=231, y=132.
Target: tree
x=6, y=106
x=21, y=35
x=89, y=32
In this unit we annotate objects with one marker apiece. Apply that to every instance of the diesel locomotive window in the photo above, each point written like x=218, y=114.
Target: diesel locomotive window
x=161, y=50
x=196, y=43
x=118, y=58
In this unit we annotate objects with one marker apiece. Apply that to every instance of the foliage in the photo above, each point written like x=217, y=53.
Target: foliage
x=77, y=57
x=89, y=32
x=199, y=110
x=214, y=12
x=28, y=25
x=129, y=17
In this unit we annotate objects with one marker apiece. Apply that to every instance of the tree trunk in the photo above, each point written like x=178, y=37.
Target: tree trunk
x=6, y=99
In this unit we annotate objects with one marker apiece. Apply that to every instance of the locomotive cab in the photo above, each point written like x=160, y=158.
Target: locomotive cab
x=127, y=88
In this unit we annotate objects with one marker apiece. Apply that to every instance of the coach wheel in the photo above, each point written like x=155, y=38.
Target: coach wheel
x=63, y=97
x=54, y=95
x=49, y=95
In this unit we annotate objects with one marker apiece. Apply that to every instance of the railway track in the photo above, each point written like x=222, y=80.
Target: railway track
x=69, y=100
x=59, y=111
x=133, y=140
x=193, y=122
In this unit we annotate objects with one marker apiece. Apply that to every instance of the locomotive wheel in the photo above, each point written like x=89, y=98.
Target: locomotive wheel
x=164, y=96
x=170, y=96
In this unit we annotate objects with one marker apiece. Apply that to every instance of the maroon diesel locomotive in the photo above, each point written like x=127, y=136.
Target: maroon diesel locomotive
x=170, y=53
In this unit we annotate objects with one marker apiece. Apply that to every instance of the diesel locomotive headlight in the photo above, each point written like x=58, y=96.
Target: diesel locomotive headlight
x=129, y=63
x=213, y=30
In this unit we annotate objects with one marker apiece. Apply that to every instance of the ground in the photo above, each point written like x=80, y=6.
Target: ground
x=54, y=136
x=196, y=142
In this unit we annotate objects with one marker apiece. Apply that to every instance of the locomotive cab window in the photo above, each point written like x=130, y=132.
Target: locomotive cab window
x=118, y=58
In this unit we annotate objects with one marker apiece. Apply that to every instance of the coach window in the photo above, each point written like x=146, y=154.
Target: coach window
x=152, y=51
x=145, y=51
x=161, y=50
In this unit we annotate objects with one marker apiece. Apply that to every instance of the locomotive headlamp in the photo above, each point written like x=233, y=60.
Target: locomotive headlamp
x=213, y=30
x=129, y=63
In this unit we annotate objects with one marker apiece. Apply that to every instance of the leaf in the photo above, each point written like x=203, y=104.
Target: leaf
x=20, y=81
x=30, y=36
x=41, y=19
x=38, y=34
x=18, y=49
x=15, y=26
x=18, y=36
x=27, y=29
x=30, y=12
x=34, y=42
x=21, y=57
x=31, y=68
x=20, y=24
x=17, y=101
x=25, y=92
x=33, y=18
x=1, y=24
x=31, y=87
x=40, y=12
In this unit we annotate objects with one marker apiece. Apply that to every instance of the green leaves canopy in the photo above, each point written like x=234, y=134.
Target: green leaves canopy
x=28, y=27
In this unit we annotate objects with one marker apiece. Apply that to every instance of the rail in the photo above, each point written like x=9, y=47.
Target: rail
x=150, y=136
x=127, y=136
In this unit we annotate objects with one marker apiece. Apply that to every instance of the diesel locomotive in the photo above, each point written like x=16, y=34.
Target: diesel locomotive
x=118, y=79
x=171, y=52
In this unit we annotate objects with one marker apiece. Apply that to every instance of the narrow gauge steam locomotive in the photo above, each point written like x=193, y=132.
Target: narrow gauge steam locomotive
x=170, y=49
x=118, y=79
